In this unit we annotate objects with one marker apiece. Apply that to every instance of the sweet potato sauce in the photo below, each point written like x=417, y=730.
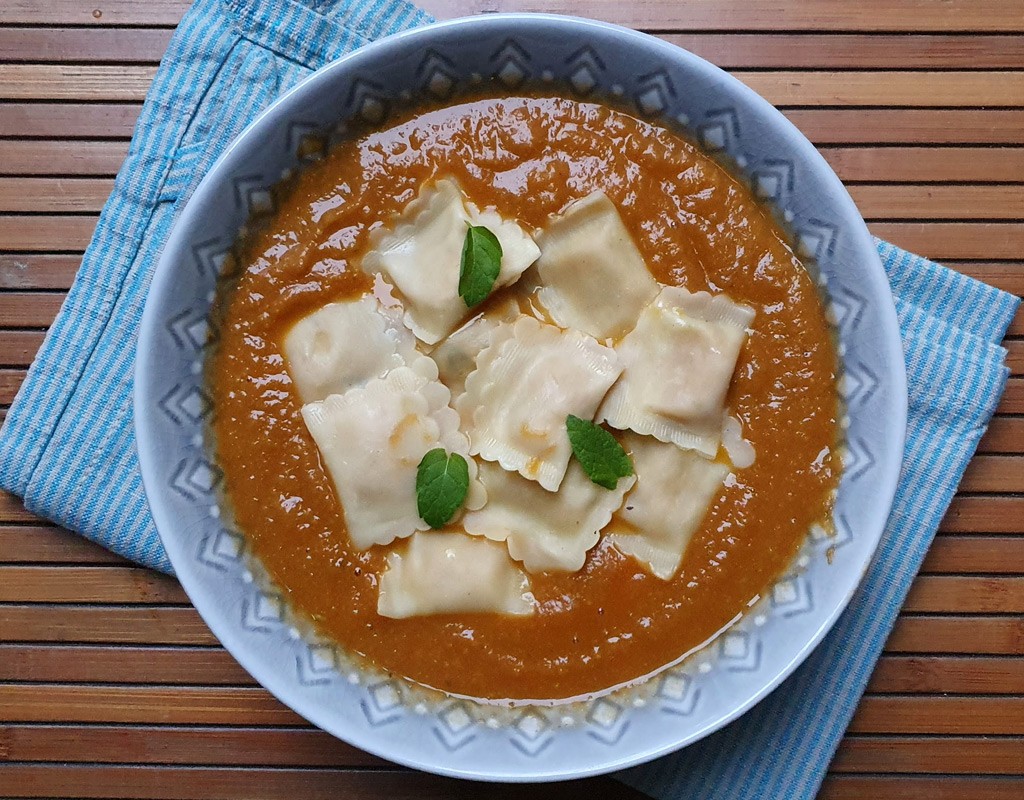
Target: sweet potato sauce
x=696, y=226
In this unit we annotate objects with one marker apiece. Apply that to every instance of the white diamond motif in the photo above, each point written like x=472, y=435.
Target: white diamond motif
x=604, y=713
x=713, y=137
x=440, y=85
x=321, y=658
x=511, y=75
x=651, y=101
x=674, y=686
x=583, y=80
x=531, y=725
x=767, y=186
x=228, y=546
x=785, y=592
x=386, y=696
x=457, y=718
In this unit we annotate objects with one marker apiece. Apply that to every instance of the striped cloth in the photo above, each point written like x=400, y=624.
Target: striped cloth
x=67, y=445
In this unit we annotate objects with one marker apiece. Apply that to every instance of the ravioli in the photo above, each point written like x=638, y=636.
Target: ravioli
x=343, y=344
x=677, y=366
x=447, y=573
x=547, y=531
x=456, y=356
x=674, y=489
x=371, y=440
x=421, y=254
x=517, y=399
x=594, y=278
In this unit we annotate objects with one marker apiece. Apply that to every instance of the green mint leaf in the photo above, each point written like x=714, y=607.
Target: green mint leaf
x=481, y=263
x=600, y=455
x=442, y=481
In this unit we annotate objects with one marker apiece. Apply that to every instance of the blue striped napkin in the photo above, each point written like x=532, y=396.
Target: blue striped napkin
x=67, y=445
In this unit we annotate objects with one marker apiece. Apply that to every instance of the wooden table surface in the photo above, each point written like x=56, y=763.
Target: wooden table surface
x=110, y=684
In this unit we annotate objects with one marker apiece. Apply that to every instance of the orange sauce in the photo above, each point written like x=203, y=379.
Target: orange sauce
x=696, y=226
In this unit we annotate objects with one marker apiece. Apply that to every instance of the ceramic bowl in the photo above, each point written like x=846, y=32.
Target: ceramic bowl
x=451, y=735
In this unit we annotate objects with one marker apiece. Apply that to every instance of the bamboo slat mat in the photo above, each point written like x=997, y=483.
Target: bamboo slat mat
x=110, y=684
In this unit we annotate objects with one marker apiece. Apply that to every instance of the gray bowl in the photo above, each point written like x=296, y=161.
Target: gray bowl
x=451, y=735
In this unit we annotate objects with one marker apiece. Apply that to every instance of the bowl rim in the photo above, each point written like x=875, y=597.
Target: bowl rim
x=164, y=274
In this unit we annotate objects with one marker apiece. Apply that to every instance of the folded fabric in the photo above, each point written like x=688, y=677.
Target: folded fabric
x=67, y=446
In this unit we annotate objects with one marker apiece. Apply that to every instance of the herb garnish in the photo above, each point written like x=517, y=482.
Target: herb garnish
x=481, y=263
x=442, y=481
x=600, y=455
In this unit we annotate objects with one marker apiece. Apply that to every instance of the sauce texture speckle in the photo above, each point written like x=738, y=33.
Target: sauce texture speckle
x=696, y=226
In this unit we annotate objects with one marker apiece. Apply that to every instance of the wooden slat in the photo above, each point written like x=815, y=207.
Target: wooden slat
x=908, y=125
x=313, y=748
x=850, y=51
x=100, y=664
x=45, y=232
x=767, y=49
x=955, y=675
x=911, y=88
x=54, y=195
x=10, y=380
x=994, y=473
x=80, y=120
x=144, y=704
x=928, y=165
x=984, y=515
x=264, y=747
x=147, y=45
x=19, y=347
x=1008, y=276
x=1004, y=435
x=980, y=635
x=40, y=584
x=972, y=595
x=28, y=310
x=43, y=544
x=88, y=12
x=931, y=787
x=955, y=754
x=60, y=157
x=198, y=783
x=875, y=201
x=1015, y=356
x=940, y=240
x=948, y=715
x=985, y=554
x=74, y=81
x=909, y=201
x=138, y=625
x=13, y=510
x=1012, y=401
x=37, y=270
